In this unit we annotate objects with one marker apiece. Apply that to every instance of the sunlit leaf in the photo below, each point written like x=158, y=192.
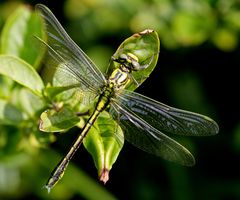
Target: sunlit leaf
x=18, y=35
x=6, y=85
x=104, y=142
x=29, y=102
x=52, y=91
x=58, y=121
x=145, y=46
x=21, y=72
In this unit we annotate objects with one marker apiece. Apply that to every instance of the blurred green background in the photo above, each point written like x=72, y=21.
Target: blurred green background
x=197, y=71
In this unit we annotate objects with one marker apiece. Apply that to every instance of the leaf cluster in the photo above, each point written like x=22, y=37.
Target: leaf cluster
x=29, y=107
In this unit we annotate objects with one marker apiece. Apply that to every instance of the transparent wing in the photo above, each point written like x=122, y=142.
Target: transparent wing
x=144, y=136
x=64, y=55
x=166, y=118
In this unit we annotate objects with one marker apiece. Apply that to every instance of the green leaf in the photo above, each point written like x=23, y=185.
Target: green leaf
x=21, y=72
x=104, y=142
x=29, y=103
x=9, y=114
x=58, y=121
x=18, y=36
x=145, y=46
x=52, y=91
x=6, y=86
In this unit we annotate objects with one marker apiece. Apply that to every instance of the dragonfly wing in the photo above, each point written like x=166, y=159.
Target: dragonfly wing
x=144, y=136
x=166, y=118
x=65, y=55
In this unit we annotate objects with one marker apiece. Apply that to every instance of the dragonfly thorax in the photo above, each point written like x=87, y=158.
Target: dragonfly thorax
x=119, y=78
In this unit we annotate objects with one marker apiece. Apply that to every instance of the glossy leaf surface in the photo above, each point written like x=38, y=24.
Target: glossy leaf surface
x=145, y=46
x=58, y=121
x=104, y=142
x=21, y=72
x=17, y=38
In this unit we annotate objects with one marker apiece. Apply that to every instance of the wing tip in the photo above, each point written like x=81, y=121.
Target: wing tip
x=213, y=127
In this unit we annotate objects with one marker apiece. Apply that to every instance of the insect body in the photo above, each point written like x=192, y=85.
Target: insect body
x=143, y=120
x=116, y=82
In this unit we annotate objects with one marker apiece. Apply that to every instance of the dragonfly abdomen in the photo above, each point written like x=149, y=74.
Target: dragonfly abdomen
x=105, y=97
x=117, y=81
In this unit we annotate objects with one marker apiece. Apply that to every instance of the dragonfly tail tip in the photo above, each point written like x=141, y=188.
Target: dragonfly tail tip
x=48, y=188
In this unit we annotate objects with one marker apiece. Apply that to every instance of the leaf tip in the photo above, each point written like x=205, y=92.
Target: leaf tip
x=104, y=176
x=40, y=126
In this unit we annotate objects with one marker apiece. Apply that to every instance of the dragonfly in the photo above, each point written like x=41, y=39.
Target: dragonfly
x=142, y=119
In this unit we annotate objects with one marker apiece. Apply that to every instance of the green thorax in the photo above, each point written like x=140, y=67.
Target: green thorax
x=117, y=81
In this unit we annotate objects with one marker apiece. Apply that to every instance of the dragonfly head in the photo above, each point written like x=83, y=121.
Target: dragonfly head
x=129, y=61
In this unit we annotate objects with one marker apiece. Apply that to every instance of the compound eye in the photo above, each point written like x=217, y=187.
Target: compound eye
x=136, y=65
x=123, y=57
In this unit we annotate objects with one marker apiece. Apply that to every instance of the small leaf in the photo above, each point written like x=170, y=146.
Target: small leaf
x=30, y=103
x=104, y=142
x=18, y=35
x=58, y=121
x=21, y=72
x=145, y=46
x=9, y=114
x=52, y=91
